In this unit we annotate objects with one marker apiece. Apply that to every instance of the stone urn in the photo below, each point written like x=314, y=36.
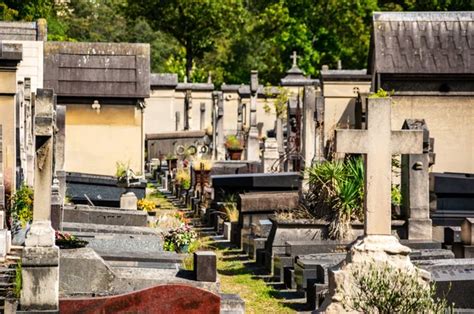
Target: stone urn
x=235, y=154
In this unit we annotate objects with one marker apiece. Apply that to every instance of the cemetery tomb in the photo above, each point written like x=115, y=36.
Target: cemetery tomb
x=437, y=87
x=104, y=101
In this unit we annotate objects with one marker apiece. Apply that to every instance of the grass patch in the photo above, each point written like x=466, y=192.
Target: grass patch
x=237, y=278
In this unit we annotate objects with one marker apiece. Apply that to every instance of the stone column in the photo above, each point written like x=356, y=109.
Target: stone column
x=309, y=126
x=415, y=186
x=5, y=235
x=59, y=182
x=40, y=260
x=177, y=120
x=271, y=156
x=30, y=147
x=202, y=121
x=220, y=127
x=253, y=148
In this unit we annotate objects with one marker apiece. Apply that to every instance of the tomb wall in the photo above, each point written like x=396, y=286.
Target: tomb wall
x=339, y=104
x=451, y=123
x=96, y=141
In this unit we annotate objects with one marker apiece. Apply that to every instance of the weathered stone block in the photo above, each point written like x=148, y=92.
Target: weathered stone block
x=128, y=201
x=467, y=233
x=420, y=229
x=40, y=278
x=205, y=266
x=227, y=227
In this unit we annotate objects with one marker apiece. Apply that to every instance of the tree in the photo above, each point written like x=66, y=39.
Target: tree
x=195, y=24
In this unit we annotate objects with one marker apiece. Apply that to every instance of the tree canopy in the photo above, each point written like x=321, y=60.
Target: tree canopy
x=227, y=38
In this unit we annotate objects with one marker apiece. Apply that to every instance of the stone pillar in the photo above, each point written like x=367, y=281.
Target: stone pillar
x=30, y=147
x=220, y=126
x=309, y=126
x=5, y=235
x=202, y=121
x=188, y=109
x=59, y=150
x=40, y=260
x=415, y=186
x=177, y=120
x=271, y=156
x=253, y=149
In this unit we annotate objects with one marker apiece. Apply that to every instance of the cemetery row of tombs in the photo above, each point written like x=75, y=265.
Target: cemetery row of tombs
x=95, y=149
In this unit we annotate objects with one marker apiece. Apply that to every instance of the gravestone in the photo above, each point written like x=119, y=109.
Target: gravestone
x=378, y=143
x=40, y=259
x=271, y=155
x=253, y=149
x=415, y=185
x=218, y=127
x=171, y=298
x=255, y=206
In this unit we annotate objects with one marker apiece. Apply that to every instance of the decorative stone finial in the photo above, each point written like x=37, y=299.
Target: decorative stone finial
x=295, y=59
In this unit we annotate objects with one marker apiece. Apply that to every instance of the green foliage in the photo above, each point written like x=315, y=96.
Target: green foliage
x=396, y=195
x=22, y=205
x=18, y=280
x=337, y=193
x=228, y=37
x=280, y=102
x=232, y=142
x=178, y=238
x=121, y=170
x=381, y=93
x=230, y=207
x=385, y=289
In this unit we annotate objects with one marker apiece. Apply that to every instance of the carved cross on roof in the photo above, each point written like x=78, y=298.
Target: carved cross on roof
x=294, y=56
x=378, y=142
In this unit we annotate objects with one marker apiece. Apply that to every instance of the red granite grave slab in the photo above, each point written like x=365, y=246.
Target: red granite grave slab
x=166, y=299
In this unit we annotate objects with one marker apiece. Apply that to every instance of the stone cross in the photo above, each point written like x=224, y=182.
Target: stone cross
x=40, y=268
x=378, y=143
x=252, y=143
x=294, y=56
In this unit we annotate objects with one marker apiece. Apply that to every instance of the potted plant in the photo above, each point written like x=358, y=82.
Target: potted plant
x=234, y=147
x=147, y=205
x=179, y=239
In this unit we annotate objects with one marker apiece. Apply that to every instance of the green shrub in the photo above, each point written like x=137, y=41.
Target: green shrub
x=336, y=193
x=232, y=142
x=22, y=205
x=381, y=288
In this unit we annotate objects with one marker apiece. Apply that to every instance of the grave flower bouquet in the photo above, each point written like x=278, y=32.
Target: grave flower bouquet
x=179, y=239
x=66, y=240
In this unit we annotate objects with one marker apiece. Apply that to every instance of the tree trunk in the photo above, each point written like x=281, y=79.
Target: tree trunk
x=189, y=62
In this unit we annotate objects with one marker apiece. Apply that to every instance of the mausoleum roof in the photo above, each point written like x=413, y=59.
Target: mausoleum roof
x=97, y=70
x=422, y=43
x=10, y=54
x=27, y=31
x=345, y=75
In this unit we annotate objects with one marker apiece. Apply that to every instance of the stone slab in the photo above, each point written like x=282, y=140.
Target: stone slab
x=454, y=279
x=83, y=228
x=106, y=216
x=83, y=271
x=467, y=232
x=172, y=298
x=255, y=202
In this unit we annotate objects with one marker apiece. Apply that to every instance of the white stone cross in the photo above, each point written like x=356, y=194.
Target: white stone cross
x=378, y=143
x=295, y=59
